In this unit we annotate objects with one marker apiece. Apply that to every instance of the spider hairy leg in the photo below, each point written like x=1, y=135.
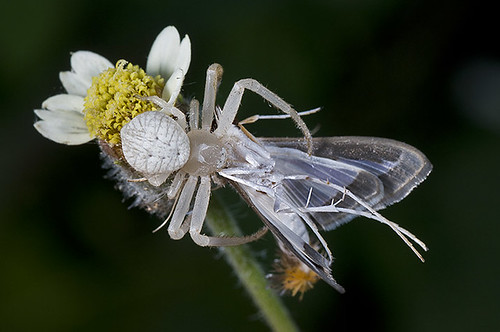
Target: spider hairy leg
x=174, y=229
x=214, y=77
x=167, y=108
x=233, y=102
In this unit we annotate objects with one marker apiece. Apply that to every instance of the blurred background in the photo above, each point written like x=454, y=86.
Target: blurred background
x=74, y=258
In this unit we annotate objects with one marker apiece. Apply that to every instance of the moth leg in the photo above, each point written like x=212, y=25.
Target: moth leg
x=233, y=102
x=256, y=117
x=340, y=200
x=175, y=229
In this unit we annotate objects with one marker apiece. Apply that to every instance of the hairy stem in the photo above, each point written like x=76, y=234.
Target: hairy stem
x=252, y=277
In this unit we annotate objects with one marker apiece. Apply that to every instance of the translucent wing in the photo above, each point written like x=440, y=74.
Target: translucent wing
x=295, y=193
x=378, y=171
x=284, y=226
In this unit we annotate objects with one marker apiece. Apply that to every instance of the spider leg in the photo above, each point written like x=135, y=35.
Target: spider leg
x=194, y=114
x=168, y=108
x=200, y=211
x=233, y=102
x=175, y=229
x=173, y=193
x=137, y=180
x=176, y=185
x=168, y=217
x=214, y=77
x=198, y=218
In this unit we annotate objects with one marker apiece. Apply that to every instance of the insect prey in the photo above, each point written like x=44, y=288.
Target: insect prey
x=297, y=186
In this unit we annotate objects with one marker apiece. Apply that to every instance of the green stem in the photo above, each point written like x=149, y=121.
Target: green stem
x=249, y=271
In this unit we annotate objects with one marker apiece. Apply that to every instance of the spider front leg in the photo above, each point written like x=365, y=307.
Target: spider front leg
x=168, y=108
x=194, y=114
x=198, y=217
x=233, y=102
x=214, y=77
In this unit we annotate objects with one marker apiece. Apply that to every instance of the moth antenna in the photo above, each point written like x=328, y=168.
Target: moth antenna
x=372, y=214
x=401, y=232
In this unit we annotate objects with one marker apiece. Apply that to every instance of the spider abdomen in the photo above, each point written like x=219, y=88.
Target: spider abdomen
x=155, y=145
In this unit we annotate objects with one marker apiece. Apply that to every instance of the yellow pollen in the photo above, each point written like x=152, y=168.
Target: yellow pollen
x=296, y=279
x=113, y=99
x=293, y=276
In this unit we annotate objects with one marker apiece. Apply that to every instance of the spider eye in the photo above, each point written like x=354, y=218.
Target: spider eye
x=155, y=145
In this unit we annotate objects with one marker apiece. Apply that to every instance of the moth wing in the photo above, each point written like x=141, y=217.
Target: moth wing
x=280, y=225
x=379, y=171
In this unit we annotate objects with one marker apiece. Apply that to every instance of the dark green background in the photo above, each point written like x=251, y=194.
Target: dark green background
x=74, y=258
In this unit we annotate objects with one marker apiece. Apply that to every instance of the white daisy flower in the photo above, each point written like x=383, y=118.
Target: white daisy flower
x=94, y=86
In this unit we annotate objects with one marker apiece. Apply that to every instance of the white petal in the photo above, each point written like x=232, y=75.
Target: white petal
x=88, y=64
x=173, y=86
x=62, y=127
x=64, y=102
x=163, y=55
x=74, y=84
x=184, y=56
x=62, y=118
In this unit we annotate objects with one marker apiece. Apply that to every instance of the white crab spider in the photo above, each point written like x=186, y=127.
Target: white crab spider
x=156, y=146
x=297, y=186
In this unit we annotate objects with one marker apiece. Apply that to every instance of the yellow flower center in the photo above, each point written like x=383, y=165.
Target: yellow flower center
x=114, y=99
x=297, y=280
